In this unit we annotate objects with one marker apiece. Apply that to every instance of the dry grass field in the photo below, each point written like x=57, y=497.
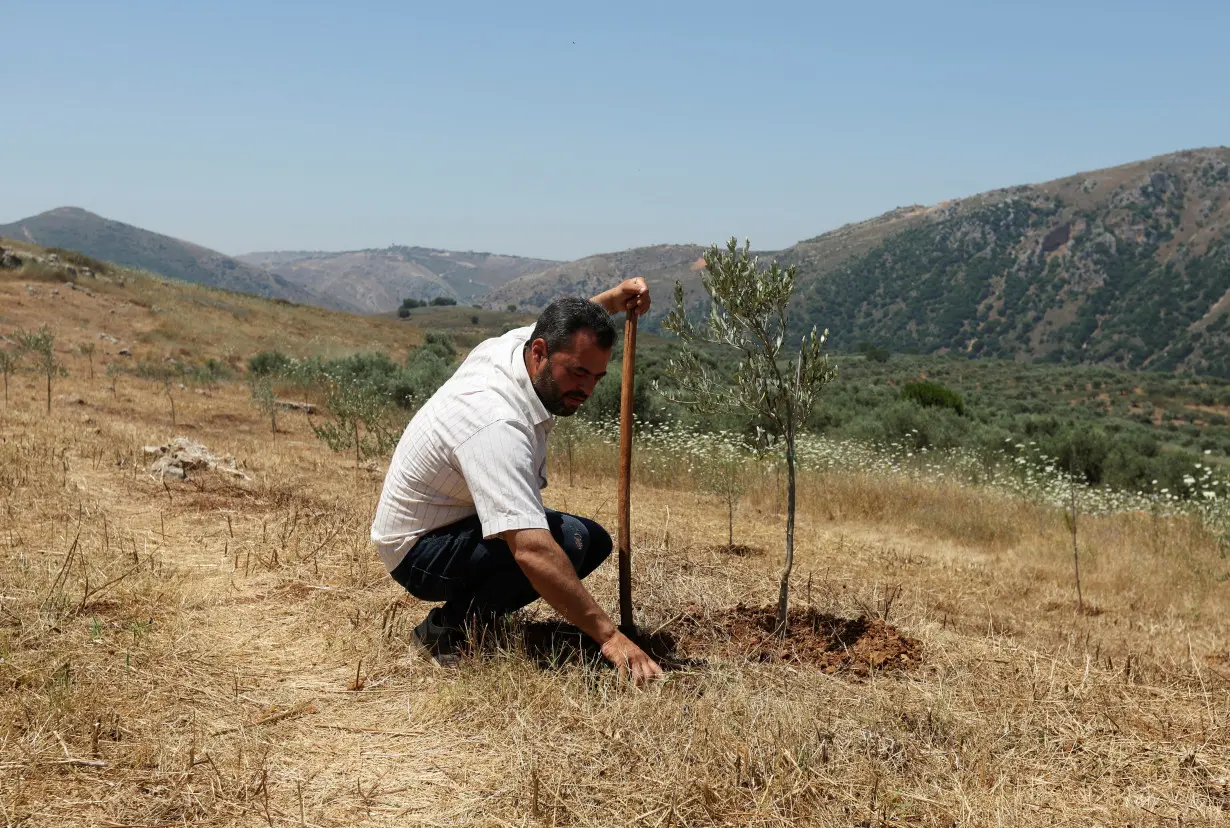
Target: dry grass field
x=229, y=652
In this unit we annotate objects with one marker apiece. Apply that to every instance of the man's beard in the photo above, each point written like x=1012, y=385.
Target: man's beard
x=549, y=392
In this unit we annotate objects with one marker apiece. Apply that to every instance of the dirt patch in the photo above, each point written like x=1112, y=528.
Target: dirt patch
x=552, y=644
x=855, y=645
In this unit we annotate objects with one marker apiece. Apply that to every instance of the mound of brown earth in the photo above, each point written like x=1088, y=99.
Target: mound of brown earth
x=830, y=643
x=858, y=645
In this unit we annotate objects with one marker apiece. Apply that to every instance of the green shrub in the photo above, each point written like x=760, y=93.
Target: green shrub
x=429, y=366
x=78, y=259
x=269, y=363
x=375, y=373
x=158, y=371
x=39, y=272
x=367, y=375
x=210, y=372
x=442, y=301
x=439, y=344
x=932, y=395
x=912, y=426
x=873, y=353
x=1080, y=451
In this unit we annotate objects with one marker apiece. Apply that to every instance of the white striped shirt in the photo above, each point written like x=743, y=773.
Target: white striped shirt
x=478, y=446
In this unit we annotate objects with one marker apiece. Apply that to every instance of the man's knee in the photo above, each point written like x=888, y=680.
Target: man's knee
x=598, y=546
x=585, y=542
x=600, y=543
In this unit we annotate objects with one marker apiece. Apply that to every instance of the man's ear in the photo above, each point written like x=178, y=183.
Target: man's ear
x=539, y=349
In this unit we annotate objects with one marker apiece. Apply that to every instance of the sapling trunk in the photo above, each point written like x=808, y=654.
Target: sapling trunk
x=1076, y=561
x=166, y=385
x=48, y=390
x=783, y=597
x=7, y=364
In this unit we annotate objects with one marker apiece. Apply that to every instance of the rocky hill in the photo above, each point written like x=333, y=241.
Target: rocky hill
x=375, y=281
x=1127, y=266
x=124, y=244
x=660, y=265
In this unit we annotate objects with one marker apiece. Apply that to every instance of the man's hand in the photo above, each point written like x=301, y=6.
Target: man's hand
x=630, y=659
x=551, y=574
x=631, y=295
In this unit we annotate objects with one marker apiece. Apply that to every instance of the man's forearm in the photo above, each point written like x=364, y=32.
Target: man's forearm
x=608, y=299
x=630, y=294
x=551, y=574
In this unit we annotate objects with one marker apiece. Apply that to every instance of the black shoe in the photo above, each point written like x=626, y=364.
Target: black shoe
x=444, y=642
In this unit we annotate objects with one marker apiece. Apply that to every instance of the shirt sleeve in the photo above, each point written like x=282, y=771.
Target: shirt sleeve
x=497, y=463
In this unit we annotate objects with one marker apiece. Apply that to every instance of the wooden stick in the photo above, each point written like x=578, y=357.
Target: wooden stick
x=625, y=472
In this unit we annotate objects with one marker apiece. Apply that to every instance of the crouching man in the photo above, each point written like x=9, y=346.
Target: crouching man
x=461, y=518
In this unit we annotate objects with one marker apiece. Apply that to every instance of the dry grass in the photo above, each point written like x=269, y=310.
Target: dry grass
x=231, y=653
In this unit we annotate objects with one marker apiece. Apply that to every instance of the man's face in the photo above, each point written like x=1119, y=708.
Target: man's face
x=566, y=378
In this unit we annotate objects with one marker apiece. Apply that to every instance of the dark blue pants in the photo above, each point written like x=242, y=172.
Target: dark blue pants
x=473, y=576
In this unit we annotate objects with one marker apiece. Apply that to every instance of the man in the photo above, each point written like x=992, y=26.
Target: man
x=461, y=518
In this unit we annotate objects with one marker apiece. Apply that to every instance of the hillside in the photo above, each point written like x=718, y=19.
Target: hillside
x=375, y=281
x=1127, y=266
x=156, y=320
x=660, y=265
x=124, y=244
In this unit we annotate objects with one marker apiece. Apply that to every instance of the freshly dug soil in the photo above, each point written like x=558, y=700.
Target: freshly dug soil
x=856, y=645
x=852, y=645
x=555, y=643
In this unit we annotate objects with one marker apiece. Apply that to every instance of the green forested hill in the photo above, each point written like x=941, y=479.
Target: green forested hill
x=1128, y=266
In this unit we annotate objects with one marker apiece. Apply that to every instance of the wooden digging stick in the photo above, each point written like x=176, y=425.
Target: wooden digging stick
x=625, y=472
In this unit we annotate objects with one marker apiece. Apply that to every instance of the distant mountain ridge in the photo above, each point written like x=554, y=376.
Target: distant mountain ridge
x=1126, y=266
x=377, y=280
x=659, y=265
x=124, y=244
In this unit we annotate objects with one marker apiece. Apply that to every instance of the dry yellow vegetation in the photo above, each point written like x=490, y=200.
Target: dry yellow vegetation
x=229, y=652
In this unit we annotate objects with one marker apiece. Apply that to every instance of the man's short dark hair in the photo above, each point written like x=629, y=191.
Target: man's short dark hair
x=561, y=319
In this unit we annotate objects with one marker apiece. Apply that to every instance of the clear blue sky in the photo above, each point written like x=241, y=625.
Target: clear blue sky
x=564, y=129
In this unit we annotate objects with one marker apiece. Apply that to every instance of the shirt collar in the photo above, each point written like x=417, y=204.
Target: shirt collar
x=532, y=406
